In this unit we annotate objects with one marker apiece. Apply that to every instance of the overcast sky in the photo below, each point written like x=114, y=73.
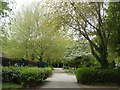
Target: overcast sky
x=21, y=2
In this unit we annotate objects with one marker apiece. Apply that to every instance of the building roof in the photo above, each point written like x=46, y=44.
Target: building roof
x=2, y=54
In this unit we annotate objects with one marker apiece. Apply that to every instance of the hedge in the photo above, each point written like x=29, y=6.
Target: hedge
x=33, y=76
x=11, y=74
x=93, y=76
x=26, y=76
x=17, y=61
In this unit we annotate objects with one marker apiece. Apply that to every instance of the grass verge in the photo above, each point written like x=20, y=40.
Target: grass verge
x=11, y=85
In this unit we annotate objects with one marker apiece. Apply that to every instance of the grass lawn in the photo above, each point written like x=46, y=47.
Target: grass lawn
x=11, y=85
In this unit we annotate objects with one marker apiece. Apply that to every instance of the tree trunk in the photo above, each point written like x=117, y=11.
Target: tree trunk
x=104, y=63
x=100, y=55
x=41, y=56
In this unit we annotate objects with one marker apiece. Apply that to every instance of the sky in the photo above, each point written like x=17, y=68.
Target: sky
x=21, y=2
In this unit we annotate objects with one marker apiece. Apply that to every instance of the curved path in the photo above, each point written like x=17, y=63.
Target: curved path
x=60, y=79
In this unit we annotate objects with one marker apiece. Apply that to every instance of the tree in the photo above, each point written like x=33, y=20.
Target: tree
x=89, y=20
x=113, y=22
x=114, y=26
x=78, y=54
x=5, y=18
x=4, y=8
x=34, y=36
x=4, y=12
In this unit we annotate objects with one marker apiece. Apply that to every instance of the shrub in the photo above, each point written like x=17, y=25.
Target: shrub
x=93, y=76
x=47, y=72
x=27, y=76
x=11, y=74
x=33, y=76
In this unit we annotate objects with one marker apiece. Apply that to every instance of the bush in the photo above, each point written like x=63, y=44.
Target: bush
x=26, y=76
x=11, y=74
x=93, y=76
x=33, y=76
x=47, y=72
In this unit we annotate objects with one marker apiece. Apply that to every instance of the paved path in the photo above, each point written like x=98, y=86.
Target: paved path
x=60, y=79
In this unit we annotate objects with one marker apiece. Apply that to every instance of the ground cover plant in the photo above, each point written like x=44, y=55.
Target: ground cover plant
x=11, y=85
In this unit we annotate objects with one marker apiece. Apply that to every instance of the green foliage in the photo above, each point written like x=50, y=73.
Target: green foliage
x=93, y=76
x=33, y=76
x=4, y=8
x=70, y=71
x=26, y=76
x=86, y=20
x=113, y=25
x=48, y=71
x=5, y=17
x=78, y=54
x=65, y=67
x=35, y=36
x=43, y=31
x=11, y=74
x=11, y=85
